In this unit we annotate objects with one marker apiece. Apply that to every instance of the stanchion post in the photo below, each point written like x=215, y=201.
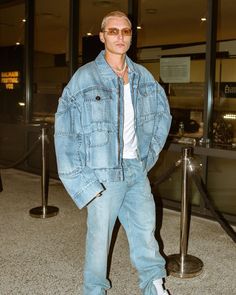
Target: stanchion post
x=183, y=265
x=44, y=211
x=1, y=187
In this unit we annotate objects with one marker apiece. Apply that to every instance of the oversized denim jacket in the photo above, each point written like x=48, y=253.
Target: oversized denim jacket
x=89, y=126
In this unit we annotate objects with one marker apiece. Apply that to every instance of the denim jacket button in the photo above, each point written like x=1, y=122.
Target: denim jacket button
x=98, y=97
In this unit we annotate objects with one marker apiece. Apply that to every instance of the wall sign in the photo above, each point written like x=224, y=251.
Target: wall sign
x=10, y=79
x=228, y=89
x=175, y=69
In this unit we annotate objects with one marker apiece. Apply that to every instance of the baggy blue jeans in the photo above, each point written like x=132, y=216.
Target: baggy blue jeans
x=132, y=202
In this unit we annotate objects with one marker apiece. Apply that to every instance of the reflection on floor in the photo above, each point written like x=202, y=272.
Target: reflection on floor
x=45, y=256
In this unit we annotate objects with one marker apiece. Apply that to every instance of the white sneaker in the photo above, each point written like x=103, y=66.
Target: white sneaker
x=160, y=288
x=165, y=292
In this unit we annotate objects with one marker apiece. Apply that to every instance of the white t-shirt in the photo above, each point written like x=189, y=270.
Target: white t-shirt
x=129, y=136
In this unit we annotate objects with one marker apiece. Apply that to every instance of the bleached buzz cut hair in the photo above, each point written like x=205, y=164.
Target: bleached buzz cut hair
x=116, y=13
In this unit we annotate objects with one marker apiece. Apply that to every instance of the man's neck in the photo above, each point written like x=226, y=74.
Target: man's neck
x=116, y=62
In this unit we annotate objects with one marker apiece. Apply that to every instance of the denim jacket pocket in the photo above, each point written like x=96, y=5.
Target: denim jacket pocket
x=97, y=106
x=101, y=149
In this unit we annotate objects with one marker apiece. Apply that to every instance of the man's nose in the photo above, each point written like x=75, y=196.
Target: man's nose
x=120, y=35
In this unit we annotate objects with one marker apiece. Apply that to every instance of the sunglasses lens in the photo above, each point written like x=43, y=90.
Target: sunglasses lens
x=126, y=32
x=115, y=32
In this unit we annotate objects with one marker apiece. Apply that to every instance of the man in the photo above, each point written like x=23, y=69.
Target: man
x=111, y=124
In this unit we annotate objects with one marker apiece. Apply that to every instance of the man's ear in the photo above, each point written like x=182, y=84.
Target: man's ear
x=101, y=36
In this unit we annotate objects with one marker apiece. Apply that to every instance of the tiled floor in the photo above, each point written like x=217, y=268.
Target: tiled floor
x=45, y=256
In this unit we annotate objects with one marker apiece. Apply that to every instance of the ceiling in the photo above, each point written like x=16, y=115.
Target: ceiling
x=163, y=22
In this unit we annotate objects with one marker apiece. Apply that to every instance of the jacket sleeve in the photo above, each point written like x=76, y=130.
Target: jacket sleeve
x=79, y=180
x=161, y=127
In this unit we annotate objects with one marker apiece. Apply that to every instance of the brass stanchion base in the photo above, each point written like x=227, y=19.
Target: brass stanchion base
x=41, y=212
x=189, y=267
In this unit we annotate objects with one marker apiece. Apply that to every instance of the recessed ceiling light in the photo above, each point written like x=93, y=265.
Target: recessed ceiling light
x=47, y=15
x=151, y=10
x=103, y=3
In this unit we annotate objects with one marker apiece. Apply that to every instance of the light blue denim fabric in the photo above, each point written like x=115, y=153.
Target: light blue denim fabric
x=132, y=202
x=89, y=126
